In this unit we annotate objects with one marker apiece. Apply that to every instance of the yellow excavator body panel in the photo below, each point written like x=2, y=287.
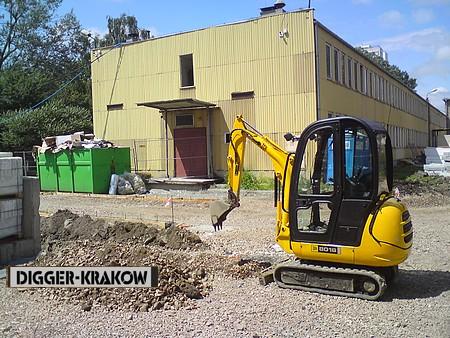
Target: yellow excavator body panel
x=383, y=242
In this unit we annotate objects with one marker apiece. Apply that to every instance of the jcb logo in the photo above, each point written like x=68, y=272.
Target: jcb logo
x=326, y=249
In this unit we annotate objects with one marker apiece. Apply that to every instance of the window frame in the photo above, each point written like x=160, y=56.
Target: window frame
x=187, y=83
x=328, y=62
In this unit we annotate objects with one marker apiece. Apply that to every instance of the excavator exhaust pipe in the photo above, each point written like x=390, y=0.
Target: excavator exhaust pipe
x=219, y=210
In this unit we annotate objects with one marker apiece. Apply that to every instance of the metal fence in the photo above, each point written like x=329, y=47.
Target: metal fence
x=29, y=163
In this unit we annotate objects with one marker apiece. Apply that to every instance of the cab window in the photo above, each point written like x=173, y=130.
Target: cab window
x=358, y=183
x=382, y=164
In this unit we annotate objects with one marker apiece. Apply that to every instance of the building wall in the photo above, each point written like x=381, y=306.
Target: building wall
x=241, y=57
x=383, y=99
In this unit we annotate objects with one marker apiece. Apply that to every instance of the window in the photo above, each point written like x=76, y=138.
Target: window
x=366, y=77
x=242, y=95
x=350, y=75
x=186, y=70
x=382, y=164
x=386, y=94
x=184, y=120
x=395, y=97
x=328, y=56
x=362, y=79
x=382, y=89
x=375, y=86
x=343, y=81
x=336, y=65
x=370, y=84
x=389, y=95
x=355, y=74
x=358, y=164
x=115, y=106
x=317, y=178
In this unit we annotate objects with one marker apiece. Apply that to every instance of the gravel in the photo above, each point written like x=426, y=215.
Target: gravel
x=235, y=304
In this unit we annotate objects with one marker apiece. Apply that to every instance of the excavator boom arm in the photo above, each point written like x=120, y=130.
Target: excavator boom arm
x=281, y=160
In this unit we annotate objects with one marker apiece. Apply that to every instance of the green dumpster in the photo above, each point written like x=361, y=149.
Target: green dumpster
x=92, y=168
x=64, y=165
x=84, y=170
x=47, y=172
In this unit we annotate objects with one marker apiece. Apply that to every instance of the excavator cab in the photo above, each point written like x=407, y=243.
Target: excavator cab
x=341, y=167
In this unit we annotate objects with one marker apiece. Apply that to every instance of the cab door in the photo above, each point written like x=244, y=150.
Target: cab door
x=316, y=189
x=334, y=182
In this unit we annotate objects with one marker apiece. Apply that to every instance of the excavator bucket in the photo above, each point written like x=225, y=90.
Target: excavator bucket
x=219, y=210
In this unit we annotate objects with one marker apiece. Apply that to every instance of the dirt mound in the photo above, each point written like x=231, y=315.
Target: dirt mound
x=181, y=279
x=184, y=275
x=65, y=225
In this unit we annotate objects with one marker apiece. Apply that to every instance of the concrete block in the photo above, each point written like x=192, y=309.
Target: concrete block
x=11, y=176
x=10, y=217
x=31, y=226
x=16, y=250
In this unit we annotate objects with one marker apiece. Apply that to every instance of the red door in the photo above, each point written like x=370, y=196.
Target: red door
x=190, y=152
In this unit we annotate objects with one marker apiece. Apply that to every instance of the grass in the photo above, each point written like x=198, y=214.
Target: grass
x=252, y=182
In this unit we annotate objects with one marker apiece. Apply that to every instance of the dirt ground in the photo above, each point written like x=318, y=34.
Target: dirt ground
x=236, y=305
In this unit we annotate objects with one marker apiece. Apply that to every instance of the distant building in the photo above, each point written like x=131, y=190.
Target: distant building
x=377, y=50
x=173, y=98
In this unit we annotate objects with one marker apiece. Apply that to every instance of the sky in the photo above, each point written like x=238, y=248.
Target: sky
x=415, y=33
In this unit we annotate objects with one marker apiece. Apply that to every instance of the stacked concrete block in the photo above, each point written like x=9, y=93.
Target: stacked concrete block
x=10, y=217
x=5, y=154
x=11, y=176
x=27, y=243
x=11, y=188
x=437, y=161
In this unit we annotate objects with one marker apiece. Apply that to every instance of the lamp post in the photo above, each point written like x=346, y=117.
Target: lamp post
x=428, y=111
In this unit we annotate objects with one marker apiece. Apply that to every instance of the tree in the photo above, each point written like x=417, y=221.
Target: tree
x=122, y=28
x=62, y=53
x=44, y=59
x=24, y=129
x=22, y=22
x=393, y=70
x=20, y=88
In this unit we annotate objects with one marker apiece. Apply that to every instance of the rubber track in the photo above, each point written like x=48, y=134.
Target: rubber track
x=345, y=271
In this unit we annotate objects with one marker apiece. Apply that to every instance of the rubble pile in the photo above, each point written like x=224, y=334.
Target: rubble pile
x=186, y=266
x=73, y=240
x=181, y=280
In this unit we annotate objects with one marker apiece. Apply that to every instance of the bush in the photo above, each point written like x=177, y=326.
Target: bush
x=252, y=182
x=21, y=130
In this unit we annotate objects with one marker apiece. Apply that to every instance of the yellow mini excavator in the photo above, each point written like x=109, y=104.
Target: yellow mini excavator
x=335, y=208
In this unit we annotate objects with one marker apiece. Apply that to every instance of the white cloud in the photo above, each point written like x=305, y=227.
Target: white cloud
x=425, y=40
x=361, y=2
x=95, y=31
x=391, y=18
x=433, y=67
x=436, y=99
x=429, y=2
x=443, y=53
x=434, y=42
x=423, y=15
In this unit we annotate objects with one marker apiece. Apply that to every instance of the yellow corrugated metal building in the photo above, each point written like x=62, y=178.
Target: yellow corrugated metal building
x=173, y=98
